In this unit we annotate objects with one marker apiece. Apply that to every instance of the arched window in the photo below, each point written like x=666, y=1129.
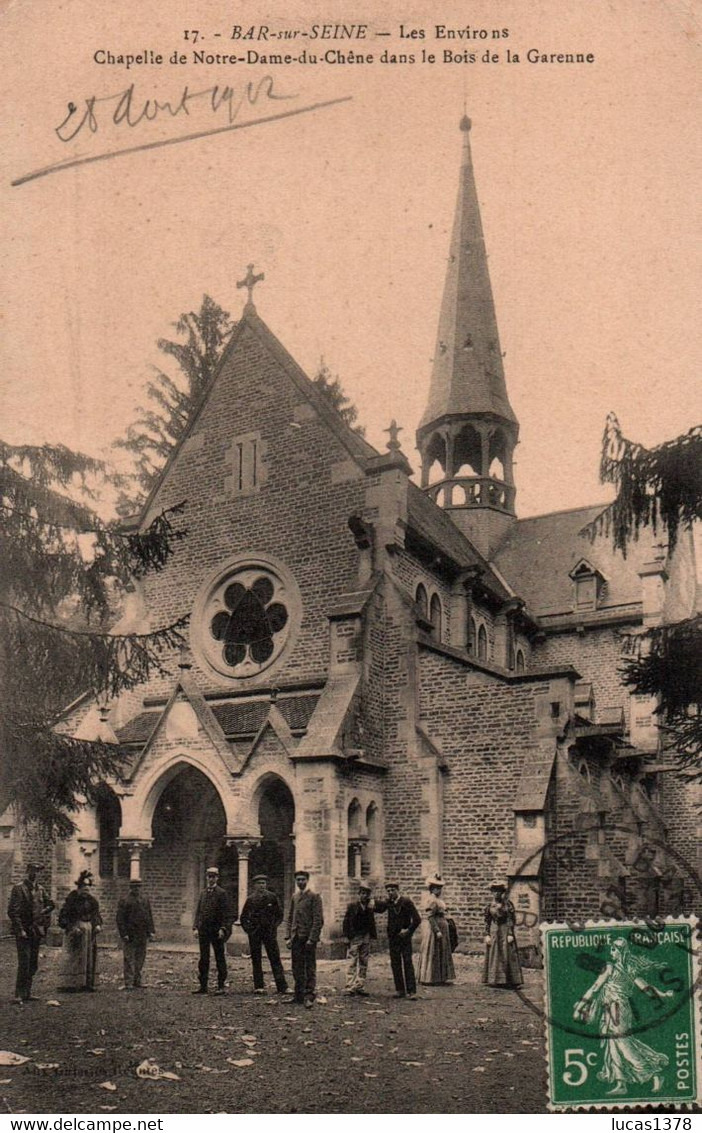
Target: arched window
x=519, y=661
x=372, y=856
x=472, y=642
x=356, y=838
x=109, y=819
x=435, y=617
x=482, y=644
x=422, y=601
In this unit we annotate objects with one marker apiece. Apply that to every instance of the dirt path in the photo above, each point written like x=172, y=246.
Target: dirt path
x=458, y=1049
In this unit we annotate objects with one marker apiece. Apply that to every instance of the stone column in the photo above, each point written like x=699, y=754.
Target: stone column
x=134, y=848
x=357, y=851
x=244, y=846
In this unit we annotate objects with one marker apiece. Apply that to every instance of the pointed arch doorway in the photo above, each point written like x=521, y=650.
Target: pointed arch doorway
x=275, y=854
x=188, y=828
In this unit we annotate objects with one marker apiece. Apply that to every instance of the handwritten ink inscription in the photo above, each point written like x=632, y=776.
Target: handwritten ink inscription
x=130, y=109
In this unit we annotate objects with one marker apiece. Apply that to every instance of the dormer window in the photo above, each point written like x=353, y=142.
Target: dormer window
x=587, y=584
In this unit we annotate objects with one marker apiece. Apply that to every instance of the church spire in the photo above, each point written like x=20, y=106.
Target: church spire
x=469, y=426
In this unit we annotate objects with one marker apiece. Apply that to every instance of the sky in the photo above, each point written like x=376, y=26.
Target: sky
x=587, y=176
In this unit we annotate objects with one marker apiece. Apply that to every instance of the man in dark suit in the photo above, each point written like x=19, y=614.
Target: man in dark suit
x=135, y=924
x=403, y=920
x=260, y=918
x=305, y=920
x=212, y=927
x=359, y=929
x=29, y=910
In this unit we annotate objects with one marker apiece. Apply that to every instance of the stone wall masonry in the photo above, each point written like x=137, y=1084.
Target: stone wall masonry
x=299, y=516
x=596, y=654
x=484, y=731
x=681, y=804
x=410, y=843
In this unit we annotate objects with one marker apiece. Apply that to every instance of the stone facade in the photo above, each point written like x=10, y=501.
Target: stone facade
x=366, y=693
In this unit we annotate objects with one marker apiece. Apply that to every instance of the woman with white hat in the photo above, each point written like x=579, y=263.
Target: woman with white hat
x=435, y=961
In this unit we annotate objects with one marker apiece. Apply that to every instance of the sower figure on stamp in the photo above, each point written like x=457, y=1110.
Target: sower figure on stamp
x=212, y=927
x=29, y=912
x=609, y=1004
x=260, y=918
x=403, y=921
x=359, y=929
x=305, y=920
x=135, y=924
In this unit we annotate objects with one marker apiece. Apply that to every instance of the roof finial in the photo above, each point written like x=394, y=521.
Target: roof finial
x=394, y=429
x=249, y=282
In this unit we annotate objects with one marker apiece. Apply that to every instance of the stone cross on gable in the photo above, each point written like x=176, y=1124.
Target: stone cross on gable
x=249, y=282
x=394, y=430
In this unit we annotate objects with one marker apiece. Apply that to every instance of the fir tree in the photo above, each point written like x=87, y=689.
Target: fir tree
x=172, y=400
x=331, y=389
x=661, y=489
x=62, y=572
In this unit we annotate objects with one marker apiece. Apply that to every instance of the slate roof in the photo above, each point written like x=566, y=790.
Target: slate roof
x=538, y=553
x=436, y=526
x=467, y=374
x=536, y=776
x=240, y=718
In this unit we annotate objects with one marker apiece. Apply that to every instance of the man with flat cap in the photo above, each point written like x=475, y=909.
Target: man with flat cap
x=260, y=918
x=135, y=924
x=403, y=921
x=305, y=920
x=29, y=912
x=212, y=927
x=359, y=929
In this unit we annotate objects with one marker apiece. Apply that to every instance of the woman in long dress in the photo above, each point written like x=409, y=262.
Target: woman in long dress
x=81, y=922
x=435, y=959
x=502, y=967
x=626, y=1059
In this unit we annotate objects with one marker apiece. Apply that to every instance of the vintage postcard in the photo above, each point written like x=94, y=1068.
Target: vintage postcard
x=327, y=784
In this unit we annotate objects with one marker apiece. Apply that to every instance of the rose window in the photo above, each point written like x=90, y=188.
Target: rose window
x=250, y=622
x=246, y=616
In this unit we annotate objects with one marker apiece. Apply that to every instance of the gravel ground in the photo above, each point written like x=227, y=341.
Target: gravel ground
x=459, y=1049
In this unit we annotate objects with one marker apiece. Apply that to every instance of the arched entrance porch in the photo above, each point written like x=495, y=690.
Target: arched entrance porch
x=188, y=829
x=275, y=853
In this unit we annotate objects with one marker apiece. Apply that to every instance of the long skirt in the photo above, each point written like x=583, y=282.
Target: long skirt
x=79, y=958
x=625, y=1057
x=502, y=967
x=435, y=959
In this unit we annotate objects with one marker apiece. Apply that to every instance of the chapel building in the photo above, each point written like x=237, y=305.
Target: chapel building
x=384, y=678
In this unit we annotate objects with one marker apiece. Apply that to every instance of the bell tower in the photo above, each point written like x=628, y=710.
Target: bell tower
x=468, y=433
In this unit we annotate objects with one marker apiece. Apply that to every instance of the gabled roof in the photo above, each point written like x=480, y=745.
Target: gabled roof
x=250, y=323
x=186, y=687
x=538, y=555
x=236, y=718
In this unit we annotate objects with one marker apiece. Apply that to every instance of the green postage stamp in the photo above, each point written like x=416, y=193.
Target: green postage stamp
x=622, y=1013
